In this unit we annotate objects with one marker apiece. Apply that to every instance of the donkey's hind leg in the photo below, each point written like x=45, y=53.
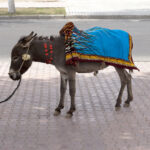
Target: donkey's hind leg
x=72, y=90
x=123, y=79
x=63, y=87
x=129, y=89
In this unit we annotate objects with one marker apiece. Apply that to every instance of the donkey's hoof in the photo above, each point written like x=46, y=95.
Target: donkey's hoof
x=126, y=105
x=95, y=73
x=117, y=108
x=69, y=115
x=56, y=113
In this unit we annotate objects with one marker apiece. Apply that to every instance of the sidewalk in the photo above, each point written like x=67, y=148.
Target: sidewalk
x=60, y=3
x=27, y=121
x=94, y=7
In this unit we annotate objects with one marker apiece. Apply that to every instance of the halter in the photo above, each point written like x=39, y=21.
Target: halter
x=48, y=50
x=25, y=57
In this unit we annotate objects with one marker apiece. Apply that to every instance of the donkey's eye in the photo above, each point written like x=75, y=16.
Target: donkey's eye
x=15, y=58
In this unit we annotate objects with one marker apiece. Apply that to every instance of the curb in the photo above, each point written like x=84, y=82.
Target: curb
x=77, y=17
x=33, y=17
x=108, y=17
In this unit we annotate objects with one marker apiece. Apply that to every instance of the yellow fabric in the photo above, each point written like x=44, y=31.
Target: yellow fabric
x=97, y=58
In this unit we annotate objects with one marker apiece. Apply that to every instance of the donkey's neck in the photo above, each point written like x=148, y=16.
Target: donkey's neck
x=47, y=51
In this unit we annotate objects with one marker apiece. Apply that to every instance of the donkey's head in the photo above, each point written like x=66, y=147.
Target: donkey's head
x=21, y=58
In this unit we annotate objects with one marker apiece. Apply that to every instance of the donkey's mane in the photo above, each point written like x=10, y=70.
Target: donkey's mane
x=23, y=38
x=42, y=38
x=51, y=38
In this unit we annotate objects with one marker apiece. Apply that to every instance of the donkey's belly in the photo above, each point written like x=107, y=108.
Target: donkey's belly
x=87, y=67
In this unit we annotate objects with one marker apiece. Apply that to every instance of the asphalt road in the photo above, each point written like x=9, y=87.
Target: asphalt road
x=12, y=30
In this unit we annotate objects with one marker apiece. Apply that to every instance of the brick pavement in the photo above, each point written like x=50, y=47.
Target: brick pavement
x=27, y=121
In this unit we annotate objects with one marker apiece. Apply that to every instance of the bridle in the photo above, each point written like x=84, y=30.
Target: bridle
x=25, y=57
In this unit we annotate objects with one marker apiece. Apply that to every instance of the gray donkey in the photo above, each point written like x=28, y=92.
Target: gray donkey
x=30, y=48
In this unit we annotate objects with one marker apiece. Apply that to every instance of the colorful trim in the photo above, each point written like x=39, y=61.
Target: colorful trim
x=72, y=57
x=130, y=48
x=67, y=30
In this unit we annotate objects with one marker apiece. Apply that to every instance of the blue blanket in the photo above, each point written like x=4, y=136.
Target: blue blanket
x=98, y=44
x=103, y=42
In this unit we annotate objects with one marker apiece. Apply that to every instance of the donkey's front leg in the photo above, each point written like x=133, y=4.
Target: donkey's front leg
x=72, y=90
x=63, y=87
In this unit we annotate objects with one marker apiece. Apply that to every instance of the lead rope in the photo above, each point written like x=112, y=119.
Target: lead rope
x=5, y=100
x=12, y=93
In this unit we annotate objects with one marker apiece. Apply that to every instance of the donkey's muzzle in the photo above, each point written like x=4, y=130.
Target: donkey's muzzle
x=14, y=75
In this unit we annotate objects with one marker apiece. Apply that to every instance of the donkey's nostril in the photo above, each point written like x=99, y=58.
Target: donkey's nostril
x=12, y=76
x=15, y=75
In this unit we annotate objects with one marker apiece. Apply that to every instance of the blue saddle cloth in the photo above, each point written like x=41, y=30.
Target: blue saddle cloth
x=102, y=42
x=98, y=44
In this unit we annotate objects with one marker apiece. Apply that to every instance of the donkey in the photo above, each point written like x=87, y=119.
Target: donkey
x=30, y=48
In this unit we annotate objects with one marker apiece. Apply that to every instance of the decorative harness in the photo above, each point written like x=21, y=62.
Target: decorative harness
x=48, y=49
x=25, y=57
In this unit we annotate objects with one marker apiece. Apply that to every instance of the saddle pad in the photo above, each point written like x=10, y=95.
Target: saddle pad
x=98, y=45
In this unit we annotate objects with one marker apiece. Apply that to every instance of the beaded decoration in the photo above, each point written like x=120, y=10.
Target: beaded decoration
x=48, y=49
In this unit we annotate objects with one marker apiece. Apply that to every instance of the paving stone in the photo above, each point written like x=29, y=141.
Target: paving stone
x=27, y=120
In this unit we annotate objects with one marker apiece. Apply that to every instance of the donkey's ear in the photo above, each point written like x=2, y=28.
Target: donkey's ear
x=30, y=36
x=27, y=38
x=25, y=41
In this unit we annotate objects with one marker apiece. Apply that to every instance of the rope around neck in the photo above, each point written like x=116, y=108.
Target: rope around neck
x=12, y=92
x=5, y=100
